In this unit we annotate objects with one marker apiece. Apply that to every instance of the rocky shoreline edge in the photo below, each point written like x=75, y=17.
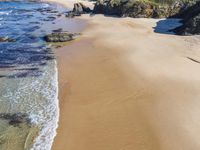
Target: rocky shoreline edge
x=188, y=11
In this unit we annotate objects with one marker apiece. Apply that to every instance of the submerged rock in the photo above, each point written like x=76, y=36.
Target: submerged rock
x=6, y=39
x=59, y=37
x=16, y=118
x=58, y=30
x=17, y=132
x=71, y=14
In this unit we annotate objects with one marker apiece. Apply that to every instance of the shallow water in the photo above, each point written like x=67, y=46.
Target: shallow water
x=28, y=75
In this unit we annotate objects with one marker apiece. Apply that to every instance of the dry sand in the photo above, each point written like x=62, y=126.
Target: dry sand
x=70, y=3
x=124, y=87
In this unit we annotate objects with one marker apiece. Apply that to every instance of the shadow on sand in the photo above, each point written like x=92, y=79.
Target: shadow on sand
x=165, y=26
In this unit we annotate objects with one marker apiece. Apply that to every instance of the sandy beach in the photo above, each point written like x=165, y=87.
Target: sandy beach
x=124, y=87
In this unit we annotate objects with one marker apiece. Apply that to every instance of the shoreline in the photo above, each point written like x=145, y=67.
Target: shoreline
x=123, y=86
x=29, y=104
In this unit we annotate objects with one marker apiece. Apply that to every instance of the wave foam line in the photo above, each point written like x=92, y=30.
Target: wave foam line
x=48, y=132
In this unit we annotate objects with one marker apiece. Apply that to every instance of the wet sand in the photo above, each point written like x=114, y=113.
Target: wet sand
x=124, y=87
x=17, y=137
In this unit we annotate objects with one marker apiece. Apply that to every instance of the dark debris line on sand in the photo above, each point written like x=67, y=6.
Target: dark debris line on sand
x=194, y=60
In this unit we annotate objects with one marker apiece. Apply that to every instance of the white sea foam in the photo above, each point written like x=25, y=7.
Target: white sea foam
x=44, y=5
x=48, y=131
x=38, y=97
x=5, y=12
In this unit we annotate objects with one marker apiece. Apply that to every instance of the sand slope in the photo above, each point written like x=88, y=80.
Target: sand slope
x=124, y=87
x=70, y=3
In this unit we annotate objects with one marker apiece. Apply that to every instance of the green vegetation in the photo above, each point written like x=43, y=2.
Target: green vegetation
x=163, y=1
x=117, y=2
x=167, y=1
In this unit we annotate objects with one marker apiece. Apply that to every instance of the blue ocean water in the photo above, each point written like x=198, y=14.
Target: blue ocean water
x=23, y=21
x=28, y=73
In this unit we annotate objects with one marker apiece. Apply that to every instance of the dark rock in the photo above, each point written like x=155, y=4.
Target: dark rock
x=71, y=14
x=126, y=8
x=58, y=30
x=59, y=15
x=59, y=37
x=78, y=9
x=191, y=21
x=6, y=39
x=138, y=9
x=50, y=18
x=34, y=22
x=190, y=27
x=180, y=8
x=85, y=8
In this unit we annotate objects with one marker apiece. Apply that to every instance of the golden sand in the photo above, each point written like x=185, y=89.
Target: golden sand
x=124, y=87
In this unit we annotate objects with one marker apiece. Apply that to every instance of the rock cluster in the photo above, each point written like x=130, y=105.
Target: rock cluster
x=138, y=8
x=188, y=10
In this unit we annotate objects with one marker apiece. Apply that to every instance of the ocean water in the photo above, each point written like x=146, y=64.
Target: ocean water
x=29, y=109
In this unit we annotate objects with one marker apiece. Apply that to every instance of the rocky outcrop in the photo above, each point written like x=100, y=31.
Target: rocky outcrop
x=60, y=37
x=78, y=9
x=138, y=8
x=188, y=10
x=191, y=21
